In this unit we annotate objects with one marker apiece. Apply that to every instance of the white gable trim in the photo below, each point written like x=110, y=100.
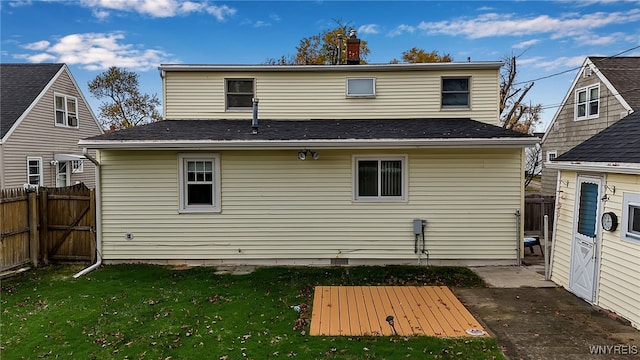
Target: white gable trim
x=571, y=91
x=64, y=68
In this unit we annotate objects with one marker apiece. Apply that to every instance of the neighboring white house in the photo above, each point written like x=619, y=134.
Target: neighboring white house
x=596, y=249
x=332, y=165
x=604, y=91
x=43, y=114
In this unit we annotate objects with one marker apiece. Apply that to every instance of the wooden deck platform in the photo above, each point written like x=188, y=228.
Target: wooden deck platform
x=416, y=310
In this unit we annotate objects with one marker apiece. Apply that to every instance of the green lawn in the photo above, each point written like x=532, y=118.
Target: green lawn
x=154, y=312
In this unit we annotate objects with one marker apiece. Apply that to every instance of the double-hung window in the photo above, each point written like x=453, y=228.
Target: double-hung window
x=380, y=178
x=239, y=94
x=630, y=226
x=587, y=102
x=66, y=108
x=199, y=182
x=456, y=93
x=361, y=87
x=34, y=171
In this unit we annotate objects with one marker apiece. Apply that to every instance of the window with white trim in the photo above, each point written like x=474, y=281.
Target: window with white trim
x=199, y=182
x=587, y=102
x=380, y=178
x=66, y=108
x=361, y=87
x=552, y=155
x=630, y=225
x=456, y=92
x=77, y=166
x=63, y=175
x=34, y=171
x=239, y=94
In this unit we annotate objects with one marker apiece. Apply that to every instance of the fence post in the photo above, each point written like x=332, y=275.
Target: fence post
x=44, y=225
x=34, y=237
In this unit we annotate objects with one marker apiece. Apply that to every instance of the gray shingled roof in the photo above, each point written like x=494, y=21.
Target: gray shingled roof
x=20, y=84
x=619, y=142
x=624, y=75
x=362, y=129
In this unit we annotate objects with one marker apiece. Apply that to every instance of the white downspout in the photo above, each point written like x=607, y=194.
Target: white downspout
x=555, y=224
x=98, y=263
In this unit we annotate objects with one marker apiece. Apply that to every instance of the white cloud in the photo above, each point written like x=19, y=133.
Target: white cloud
x=38, y=45
x=100, y=14
x=95, y=51
x=590, y=39
x=525, y=44
x=561, y=62
x=368, y=29
x=20, y=3
x=401, y=29
x=261, y=23
x=493, y=24
x=158, y=8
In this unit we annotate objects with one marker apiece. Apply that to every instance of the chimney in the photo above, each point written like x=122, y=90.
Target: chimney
x=353, y=49
x=254, y=119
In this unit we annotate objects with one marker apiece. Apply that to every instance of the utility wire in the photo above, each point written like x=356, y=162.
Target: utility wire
x=573, y=69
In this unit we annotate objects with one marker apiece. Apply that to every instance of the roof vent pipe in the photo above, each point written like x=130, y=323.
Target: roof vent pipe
x=254, y=119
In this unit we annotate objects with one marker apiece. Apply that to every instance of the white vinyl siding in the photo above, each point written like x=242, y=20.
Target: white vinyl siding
x=39, y=131
x=320, y=95
x=618, y=272
x=274, y=206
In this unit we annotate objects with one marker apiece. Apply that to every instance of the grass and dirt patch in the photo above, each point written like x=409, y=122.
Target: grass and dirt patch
x=155, y=312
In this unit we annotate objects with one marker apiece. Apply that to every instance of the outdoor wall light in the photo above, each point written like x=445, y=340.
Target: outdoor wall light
x=302, y=154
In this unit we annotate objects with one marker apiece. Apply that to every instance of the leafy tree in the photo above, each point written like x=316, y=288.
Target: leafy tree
x=322, y=48
x=515, y=114
x=124, y=106
x=415, y=55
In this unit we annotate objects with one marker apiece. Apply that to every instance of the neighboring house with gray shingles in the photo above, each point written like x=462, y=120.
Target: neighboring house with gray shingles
x=604, y=91
x=597, y=235
x=43, y=114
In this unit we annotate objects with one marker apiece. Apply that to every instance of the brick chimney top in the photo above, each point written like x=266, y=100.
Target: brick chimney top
x=353, y=48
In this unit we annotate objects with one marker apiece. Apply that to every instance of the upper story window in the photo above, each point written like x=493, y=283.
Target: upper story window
x=456, y=92
x=66, y=110
x=380, y=178
x=552, y=155
x=34, y=171
x=587, y=102
x=361, y=87
x=239, y=94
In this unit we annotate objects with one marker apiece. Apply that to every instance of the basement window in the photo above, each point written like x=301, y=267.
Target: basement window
x=199, y=182
x=239, y=94
x=361, y=87
x=380, y=178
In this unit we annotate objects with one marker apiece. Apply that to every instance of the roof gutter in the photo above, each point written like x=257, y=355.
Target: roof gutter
x=320, y=144
x=611, y=167
x=480, y=65
x=98, y=262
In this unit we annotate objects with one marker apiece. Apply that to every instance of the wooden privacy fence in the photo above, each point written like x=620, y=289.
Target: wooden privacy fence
x=535, y=208
x=50, y=224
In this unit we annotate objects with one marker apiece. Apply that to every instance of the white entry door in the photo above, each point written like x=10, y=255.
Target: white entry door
x=584, y=247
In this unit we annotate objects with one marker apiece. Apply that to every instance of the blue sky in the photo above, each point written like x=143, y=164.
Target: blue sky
x=91, y=35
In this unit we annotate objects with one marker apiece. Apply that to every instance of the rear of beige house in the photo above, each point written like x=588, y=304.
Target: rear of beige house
x=606, y=90
x=37, y=149
x=448, y=165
